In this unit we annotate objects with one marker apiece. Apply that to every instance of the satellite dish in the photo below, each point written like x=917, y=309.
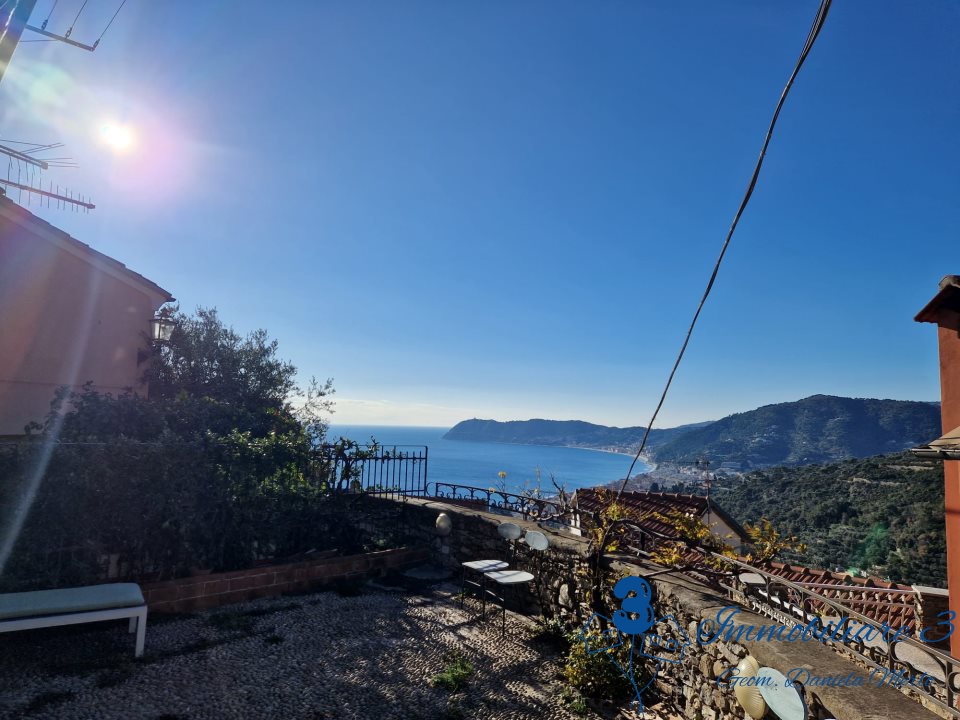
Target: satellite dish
x=509, y=531
x=785, y=702
x=536, y=540
x=749, y=696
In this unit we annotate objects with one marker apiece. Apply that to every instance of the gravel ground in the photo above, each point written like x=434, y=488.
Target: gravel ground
x=315, y=656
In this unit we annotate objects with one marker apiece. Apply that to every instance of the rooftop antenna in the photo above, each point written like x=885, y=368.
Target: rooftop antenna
x=65, y=38
x=26, y=175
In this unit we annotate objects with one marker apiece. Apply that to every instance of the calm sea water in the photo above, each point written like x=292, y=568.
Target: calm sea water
x=477, y=463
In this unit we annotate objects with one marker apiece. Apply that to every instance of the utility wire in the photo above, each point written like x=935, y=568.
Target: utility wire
x=49, y=14
x=811, y=38
x=110, y=23
x=67, y=34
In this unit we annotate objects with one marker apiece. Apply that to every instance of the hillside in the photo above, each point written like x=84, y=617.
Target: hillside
x=817, y=429
x=883, y=515
x=571, y=433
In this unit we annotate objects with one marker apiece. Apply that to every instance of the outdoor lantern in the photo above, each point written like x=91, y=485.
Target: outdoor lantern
x=444, y=525
x=161, y=329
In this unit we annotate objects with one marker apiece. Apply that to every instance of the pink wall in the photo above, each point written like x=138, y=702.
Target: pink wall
x=65, y=319
x=949, y=335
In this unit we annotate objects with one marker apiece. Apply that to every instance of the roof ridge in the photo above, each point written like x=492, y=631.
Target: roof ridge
x=19, y=214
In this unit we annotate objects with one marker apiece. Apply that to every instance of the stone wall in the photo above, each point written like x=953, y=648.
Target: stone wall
x=473, y=536
x=688, y=687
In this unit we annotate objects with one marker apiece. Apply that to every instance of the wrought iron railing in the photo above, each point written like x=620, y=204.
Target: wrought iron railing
x=379, y=469
x=786, y=601
x=528, y=507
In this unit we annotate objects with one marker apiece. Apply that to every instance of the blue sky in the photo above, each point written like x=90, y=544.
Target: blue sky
x=509, y=210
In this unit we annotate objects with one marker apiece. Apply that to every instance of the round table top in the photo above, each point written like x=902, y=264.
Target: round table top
x=486, y=565
x=509, y=577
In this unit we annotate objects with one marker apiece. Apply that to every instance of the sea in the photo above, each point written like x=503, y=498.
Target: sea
x=478, y=464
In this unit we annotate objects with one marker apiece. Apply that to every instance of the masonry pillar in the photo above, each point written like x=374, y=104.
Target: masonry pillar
x=944, y=310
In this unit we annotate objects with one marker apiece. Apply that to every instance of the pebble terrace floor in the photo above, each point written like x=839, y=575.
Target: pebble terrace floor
x=314, y=656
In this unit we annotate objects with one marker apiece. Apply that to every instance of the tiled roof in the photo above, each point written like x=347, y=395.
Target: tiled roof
x=24, y=217
x=896, y=608
x=646, y=505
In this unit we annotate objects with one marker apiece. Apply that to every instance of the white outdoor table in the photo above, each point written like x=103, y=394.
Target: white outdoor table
x=505, y=578
x=482, y=567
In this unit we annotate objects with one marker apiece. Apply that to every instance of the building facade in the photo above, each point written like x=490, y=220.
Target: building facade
x=68, y=315
x=944, y=311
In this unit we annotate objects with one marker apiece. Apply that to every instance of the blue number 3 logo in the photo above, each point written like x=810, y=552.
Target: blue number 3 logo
x=949, y=622
x=640, y=604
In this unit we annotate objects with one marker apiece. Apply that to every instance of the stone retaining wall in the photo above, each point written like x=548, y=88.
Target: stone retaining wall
x=558, y=571
x=688, y=687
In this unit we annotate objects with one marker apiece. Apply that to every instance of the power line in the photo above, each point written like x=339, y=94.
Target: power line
x=49, y=15
x=811, y=38
x=97, y=42
x=70, y=29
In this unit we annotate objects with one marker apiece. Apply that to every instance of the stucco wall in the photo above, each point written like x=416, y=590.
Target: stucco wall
x=949, y=337
x=63, y=321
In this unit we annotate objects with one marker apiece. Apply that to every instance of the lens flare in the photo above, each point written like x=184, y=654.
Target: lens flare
x=117, y=137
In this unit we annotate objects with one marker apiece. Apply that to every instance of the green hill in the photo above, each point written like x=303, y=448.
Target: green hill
x=817, y=429
x=883, y=515
x=571, y=433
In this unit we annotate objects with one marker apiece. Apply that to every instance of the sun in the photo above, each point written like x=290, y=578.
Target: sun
x=117, y=137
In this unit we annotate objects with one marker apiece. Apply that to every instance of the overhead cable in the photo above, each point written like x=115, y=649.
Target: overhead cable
x=811, y=38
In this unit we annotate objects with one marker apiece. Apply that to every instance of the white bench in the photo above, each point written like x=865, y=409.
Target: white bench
x=70, y=606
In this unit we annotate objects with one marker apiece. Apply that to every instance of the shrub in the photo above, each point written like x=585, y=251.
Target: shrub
x=455, y=675
x=595, y=676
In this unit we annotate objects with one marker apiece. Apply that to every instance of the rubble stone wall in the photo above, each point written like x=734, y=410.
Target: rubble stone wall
x=688, y=685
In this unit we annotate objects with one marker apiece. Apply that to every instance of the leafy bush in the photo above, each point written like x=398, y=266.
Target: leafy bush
x=595, y=676
x=552, y=632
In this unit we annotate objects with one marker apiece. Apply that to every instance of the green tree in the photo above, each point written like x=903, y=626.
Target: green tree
x=216, y=468
x=233, y=382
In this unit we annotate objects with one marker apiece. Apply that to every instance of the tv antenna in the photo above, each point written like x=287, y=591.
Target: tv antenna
x=65, y=38
x=26, y=163
x=24, y=175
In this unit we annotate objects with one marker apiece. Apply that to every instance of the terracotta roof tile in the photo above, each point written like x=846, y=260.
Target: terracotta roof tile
x=897, y=609
x=646, y=505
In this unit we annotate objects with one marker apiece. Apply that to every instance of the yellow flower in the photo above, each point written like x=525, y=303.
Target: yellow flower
x=502, y=474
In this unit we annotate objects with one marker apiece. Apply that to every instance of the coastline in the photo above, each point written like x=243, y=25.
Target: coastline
x=645, y=459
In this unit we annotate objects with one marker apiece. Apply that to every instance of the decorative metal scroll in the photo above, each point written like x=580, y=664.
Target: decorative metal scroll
x=551, y=510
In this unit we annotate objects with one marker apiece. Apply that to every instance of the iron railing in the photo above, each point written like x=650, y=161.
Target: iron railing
x=528, y=507
x=787, y=602
x=385, y=470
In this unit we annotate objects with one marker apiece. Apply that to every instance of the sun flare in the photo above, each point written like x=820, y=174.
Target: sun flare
x=117, y=137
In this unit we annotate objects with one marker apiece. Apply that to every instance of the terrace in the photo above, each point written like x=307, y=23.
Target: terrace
x=365, y=651
x=341, y=631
